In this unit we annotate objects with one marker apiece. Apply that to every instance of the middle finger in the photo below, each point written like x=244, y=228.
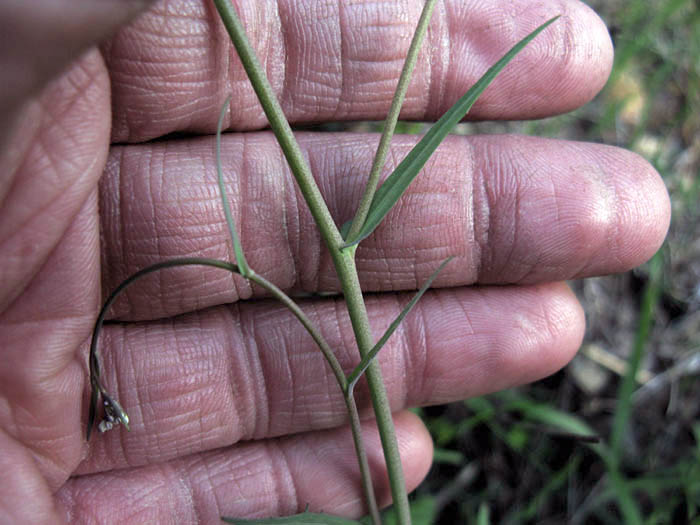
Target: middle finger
x=510, y=209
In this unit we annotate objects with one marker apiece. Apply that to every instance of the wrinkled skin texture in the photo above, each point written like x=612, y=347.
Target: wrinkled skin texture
x=233, y=410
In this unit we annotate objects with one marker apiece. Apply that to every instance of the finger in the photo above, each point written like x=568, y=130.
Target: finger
x=24, y=483
x=510, y=209
x=260, y=479
x=250, y=371
x=40, y=39
x=174, y=67
x=54, y=136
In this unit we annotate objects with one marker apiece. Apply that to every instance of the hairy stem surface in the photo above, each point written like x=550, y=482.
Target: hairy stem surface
x=343, y=261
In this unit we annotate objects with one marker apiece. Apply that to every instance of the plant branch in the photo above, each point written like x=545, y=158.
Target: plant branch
x=279, y=124
x=114, y=414
x=347, y=273
x=344, y=263
x=241, y=262
x=364, y=364
x=201, y=261
x=391, y=120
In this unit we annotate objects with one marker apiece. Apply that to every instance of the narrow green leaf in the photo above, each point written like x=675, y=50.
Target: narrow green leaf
x=237, y=248
x=484, y=515
x=392, y=118
x=367, y=359
x=397, y=183
x=305, y=518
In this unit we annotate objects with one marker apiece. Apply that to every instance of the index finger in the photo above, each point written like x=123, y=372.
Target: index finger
x=174, y=67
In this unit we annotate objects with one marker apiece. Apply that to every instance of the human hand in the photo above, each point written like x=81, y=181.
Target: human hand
x=233, y=410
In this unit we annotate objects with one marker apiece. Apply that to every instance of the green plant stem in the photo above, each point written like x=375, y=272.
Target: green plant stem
x=361, y=452
x=355, y=425
x=241, y=262
x=347, y=273
x=224, y=265
x=628, y=506
x=279, y=124
x=367, y=359
x=392, y=118
x=343, y=261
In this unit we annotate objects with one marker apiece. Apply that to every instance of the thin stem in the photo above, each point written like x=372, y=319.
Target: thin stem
x=360, y=451
x=243, y=267
x=355, y=425
x=279, y=124
x=391, y=120
x=347, y=273
x=362, y=366
x=120, y=415
x=344, y=263
x=306, y=322
x=623, y=410
x=224, y=265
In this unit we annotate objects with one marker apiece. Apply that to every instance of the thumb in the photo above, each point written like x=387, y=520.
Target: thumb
x=54, y=106
x=38, y=39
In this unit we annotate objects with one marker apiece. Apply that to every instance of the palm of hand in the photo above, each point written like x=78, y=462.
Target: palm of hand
x=196, y=385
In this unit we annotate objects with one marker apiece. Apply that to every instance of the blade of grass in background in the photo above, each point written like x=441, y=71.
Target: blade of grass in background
x=624, y=398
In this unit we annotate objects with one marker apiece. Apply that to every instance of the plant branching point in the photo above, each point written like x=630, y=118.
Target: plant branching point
x=342, y=245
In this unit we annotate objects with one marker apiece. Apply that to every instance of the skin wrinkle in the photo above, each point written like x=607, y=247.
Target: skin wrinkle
x=318, y=250
x=612, y=234
x=438, y=58
x=499, y=176
x=490, y=201
x=413, y=330
x=287, y=360
x=237, y=427
x=478, y=226
x=286, y=489
x=281, y=30
x=291, y=226
x=211, y=486
x=337, y=115
x=248, y=372
x=263, y=422
x=156, y=183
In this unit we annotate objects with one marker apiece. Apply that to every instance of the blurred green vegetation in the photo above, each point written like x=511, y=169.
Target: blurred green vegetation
x=615, y=437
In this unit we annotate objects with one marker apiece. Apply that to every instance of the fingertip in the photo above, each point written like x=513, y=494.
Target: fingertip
x=589, y=51
x=643, y=211
x=572, y=59
x=549, y=332
x=415, y=447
